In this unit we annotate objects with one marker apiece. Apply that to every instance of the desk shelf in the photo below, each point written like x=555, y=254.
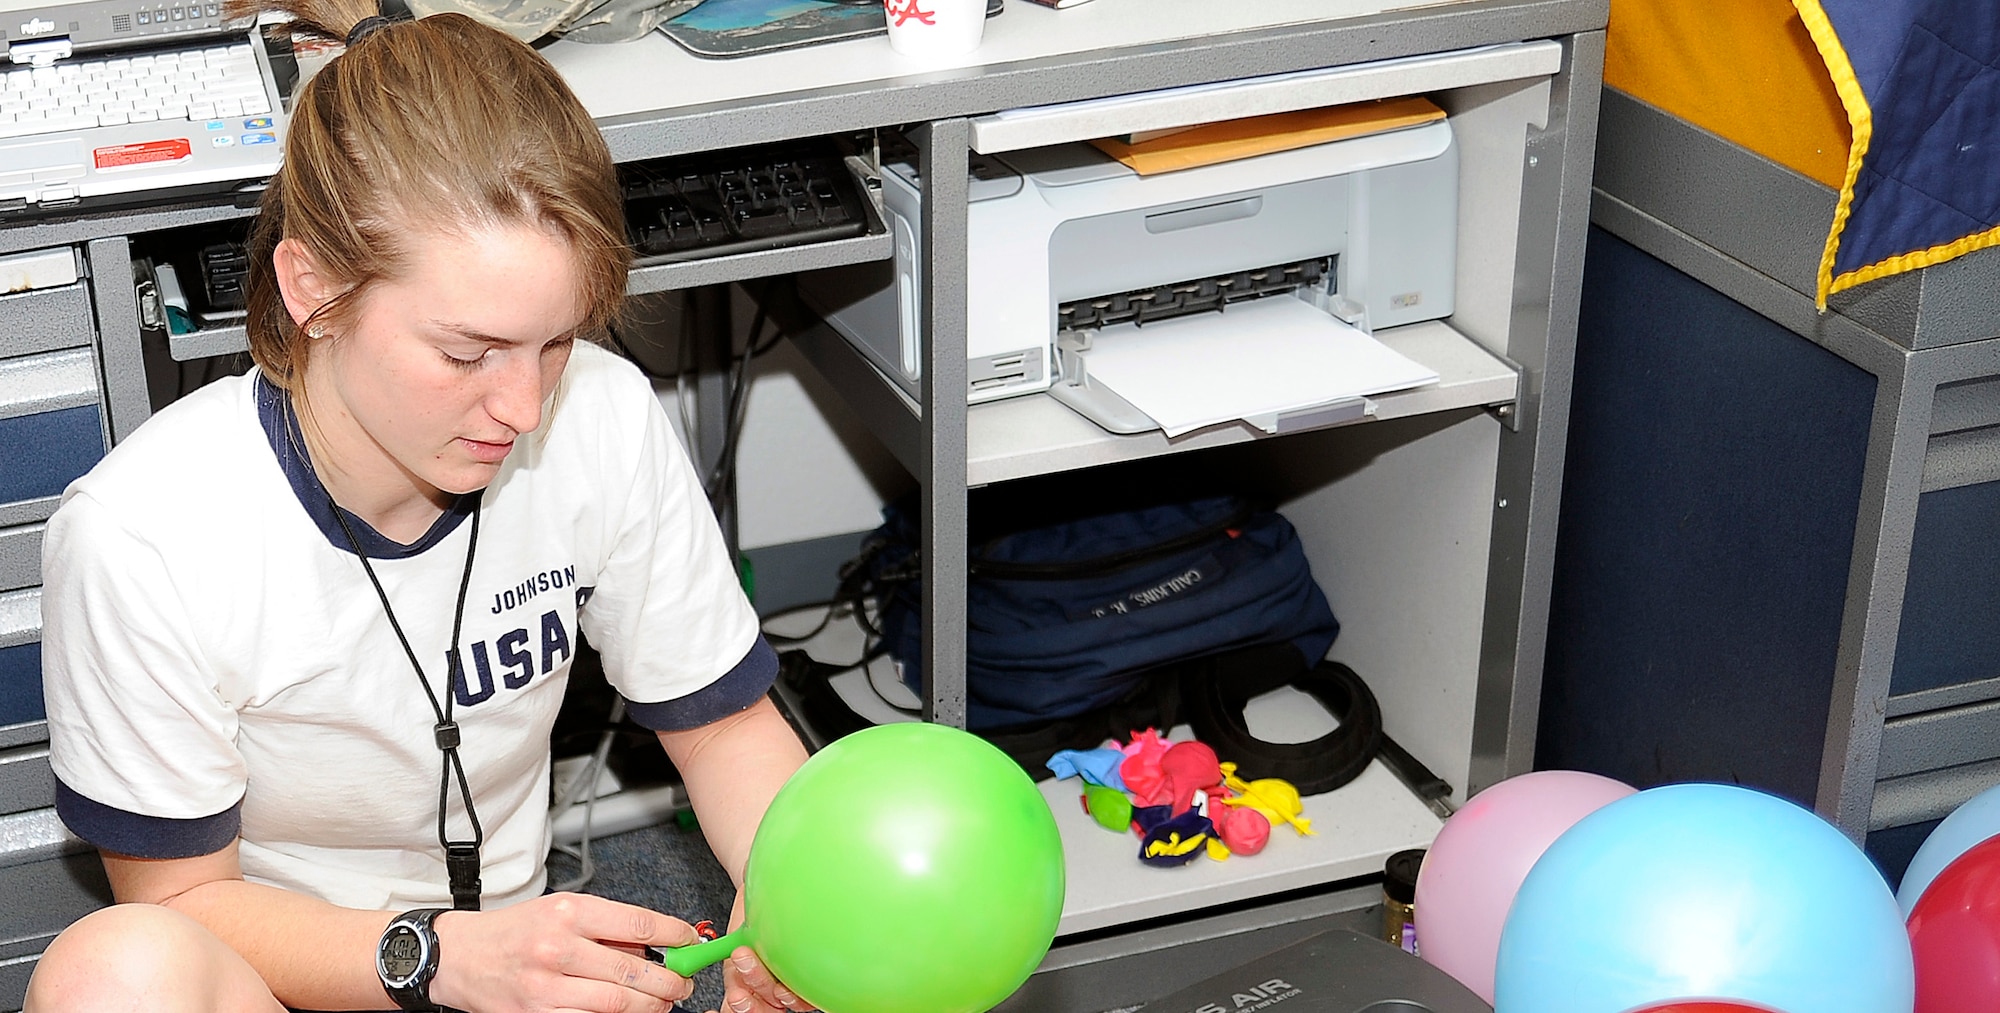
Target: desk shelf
x=643, y=279
x=861, y=249
x=208, y=341
x=1037, y=435
x=43, y=233
x=1355, y=829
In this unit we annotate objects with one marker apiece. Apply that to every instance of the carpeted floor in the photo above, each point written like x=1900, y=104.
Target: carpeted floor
x=670, y=871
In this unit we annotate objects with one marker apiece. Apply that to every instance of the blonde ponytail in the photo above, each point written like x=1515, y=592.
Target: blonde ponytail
x=433, y=125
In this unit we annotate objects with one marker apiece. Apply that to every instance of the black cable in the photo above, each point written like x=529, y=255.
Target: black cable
x=1215, y=691
x=830, y=605
x=872, y=649
x=777, y=334
x=739, y=400
x=869, y=674
x=737, y=405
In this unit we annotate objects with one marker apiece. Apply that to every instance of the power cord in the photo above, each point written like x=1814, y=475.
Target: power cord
x=717, y=485
x=873, y=646
x=583, y=788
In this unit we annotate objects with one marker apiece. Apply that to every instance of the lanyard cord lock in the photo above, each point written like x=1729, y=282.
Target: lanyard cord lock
x=461, y=864
x=446, y=733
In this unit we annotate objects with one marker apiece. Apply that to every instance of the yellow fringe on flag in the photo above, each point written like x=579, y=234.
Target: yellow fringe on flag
x=1861, y=120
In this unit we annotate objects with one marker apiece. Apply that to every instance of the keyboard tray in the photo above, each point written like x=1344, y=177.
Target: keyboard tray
x=741, y=200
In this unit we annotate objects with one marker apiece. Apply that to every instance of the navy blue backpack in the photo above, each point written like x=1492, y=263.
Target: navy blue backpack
x=1073, y=617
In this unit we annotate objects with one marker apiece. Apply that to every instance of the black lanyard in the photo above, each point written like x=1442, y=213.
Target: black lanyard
x=461, y=858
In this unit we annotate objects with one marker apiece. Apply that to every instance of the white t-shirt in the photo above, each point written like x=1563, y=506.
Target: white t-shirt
x=217, y=664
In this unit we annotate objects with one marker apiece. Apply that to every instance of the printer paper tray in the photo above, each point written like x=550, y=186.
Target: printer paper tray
x=1115, y=414
x=1037, y=435
x=1262, y=361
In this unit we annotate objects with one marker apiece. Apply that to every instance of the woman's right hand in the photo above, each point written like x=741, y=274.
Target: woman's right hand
x=563, y=951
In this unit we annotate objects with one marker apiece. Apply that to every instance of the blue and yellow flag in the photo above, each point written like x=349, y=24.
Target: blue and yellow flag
x=1920, y=81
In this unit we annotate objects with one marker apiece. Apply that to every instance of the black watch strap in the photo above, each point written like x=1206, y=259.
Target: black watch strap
x=406, y=959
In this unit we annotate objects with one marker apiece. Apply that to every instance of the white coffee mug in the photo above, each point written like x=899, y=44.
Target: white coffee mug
x=935, y=27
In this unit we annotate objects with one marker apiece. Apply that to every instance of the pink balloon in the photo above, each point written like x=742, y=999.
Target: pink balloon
x=1476, y=865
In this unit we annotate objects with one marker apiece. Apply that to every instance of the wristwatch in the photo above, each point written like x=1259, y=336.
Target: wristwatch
x=407, y=958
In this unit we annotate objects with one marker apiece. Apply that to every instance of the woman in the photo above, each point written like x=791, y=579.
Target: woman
x=307, y=630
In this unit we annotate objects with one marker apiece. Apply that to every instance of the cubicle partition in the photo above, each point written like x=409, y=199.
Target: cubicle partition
x=1780, y=544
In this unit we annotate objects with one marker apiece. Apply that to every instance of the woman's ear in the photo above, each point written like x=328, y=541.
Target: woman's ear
x=303, y=284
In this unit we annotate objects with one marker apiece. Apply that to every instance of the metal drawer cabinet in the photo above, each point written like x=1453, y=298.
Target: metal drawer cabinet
x=21, y=668
x=1941, y=733
x=50, y=879
x=51, y=432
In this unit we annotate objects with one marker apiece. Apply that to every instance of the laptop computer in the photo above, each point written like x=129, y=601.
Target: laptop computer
x=118, y=102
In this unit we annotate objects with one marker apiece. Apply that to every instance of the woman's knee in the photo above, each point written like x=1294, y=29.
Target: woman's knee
x=143, y=957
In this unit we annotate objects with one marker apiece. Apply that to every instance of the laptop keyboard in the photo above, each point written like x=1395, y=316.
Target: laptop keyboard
x=739, y=201
x=192, y=84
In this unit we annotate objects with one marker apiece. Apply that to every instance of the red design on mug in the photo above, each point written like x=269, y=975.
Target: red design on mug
x=906, y=10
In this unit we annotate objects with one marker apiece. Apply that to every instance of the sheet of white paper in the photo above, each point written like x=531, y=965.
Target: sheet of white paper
x=1276, y=354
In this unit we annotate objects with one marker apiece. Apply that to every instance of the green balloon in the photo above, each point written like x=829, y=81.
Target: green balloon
x=906, y=868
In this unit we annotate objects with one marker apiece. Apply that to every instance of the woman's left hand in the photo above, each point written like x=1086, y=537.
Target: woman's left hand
x=749, y=987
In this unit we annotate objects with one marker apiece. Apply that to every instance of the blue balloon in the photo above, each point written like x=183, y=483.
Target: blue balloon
x=1704, y=890
x=1969, y=824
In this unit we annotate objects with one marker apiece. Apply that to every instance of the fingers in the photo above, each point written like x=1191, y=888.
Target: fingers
x=613, y=922
x=746, y=1002
x=561, y=951
x=750, y=987
x=625, y=971
x=608, y=958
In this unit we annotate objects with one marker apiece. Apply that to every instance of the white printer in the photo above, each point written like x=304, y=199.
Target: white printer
x=1064, y=240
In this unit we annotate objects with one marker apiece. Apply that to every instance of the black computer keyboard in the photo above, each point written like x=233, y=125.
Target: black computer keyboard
x=738, y=201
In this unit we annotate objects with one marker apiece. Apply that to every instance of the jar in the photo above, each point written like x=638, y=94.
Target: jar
x=1399, y=898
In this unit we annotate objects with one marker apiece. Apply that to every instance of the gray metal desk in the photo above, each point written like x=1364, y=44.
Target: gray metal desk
x=1882, y=712
x=1432, y=526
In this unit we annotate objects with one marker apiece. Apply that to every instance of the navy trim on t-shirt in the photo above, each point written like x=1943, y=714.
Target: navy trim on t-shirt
x=281, y=428
x=740, y=687
x=140, y=836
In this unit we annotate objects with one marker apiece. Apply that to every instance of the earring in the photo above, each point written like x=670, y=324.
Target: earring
x=315, y=332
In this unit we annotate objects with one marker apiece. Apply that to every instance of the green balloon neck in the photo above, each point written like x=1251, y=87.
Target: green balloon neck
x=685, y=960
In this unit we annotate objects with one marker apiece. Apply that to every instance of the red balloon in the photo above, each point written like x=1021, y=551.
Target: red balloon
x=1703, y=1006
x=1955, y=935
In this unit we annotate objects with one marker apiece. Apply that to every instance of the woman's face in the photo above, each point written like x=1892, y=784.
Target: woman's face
x=442, y=369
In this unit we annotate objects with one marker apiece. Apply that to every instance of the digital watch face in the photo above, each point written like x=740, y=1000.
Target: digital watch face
x=402, y=954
